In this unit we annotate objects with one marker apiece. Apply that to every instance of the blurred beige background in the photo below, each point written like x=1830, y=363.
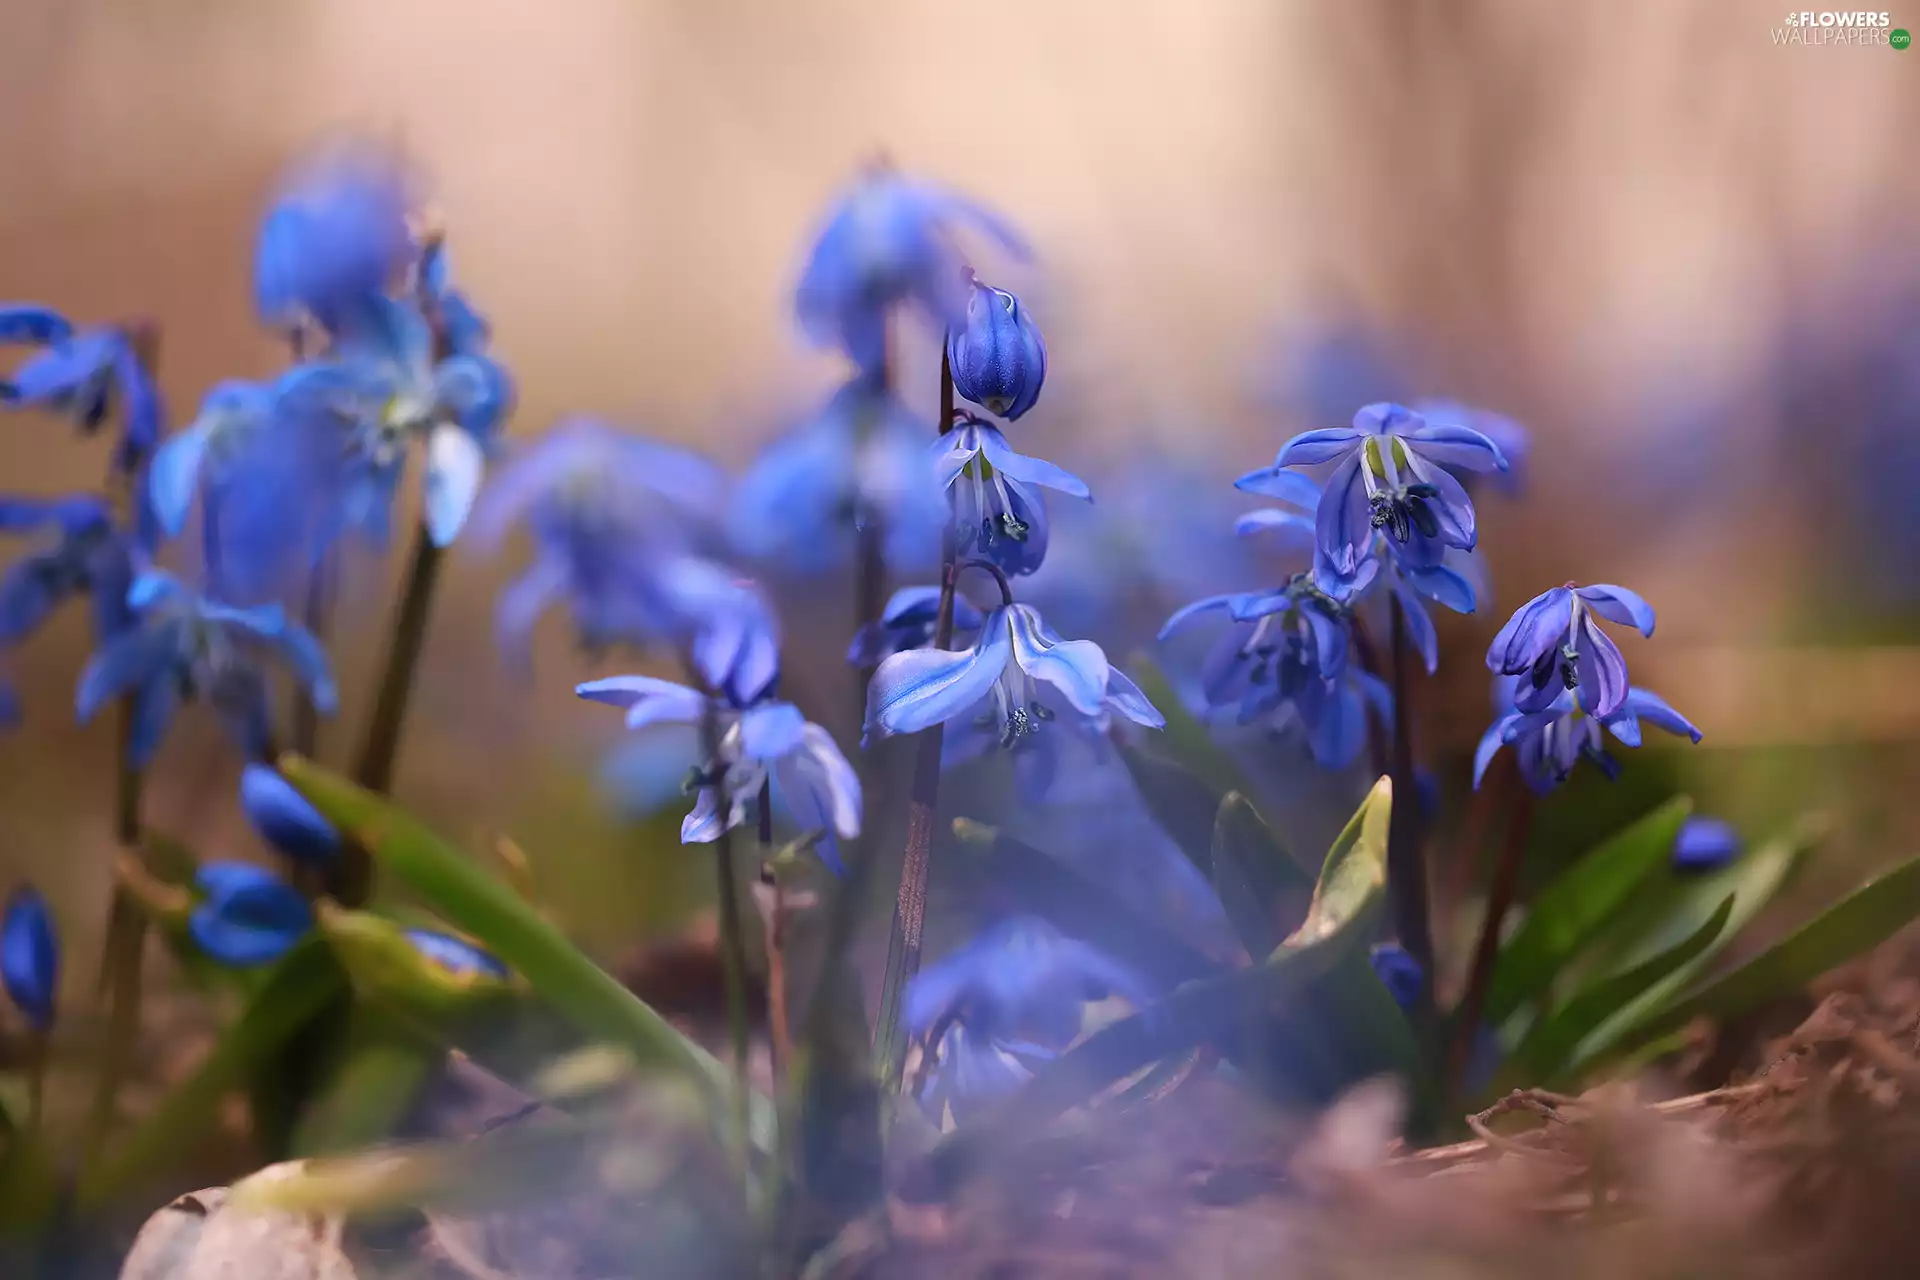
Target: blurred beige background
x=1589, y=211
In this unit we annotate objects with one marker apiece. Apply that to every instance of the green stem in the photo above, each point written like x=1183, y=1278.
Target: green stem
x=733, y=947
x=910, y=906
x=779, y=1036
x=1500, y=895
x=36, y=1079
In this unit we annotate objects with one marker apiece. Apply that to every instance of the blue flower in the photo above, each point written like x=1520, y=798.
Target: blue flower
x=1017, y=991
x=82, y=551
x=908, y=622
x=335, y=236
x=81, y=374
x=248, y=916
x=1550, y=742
x=1553, y=641
x=1705, y=844
x=464, y=330
x=997, y=515
x=997, y=358
x=285, y=819
x=607, y=511
x=862, y=459
x=889, y=241
x=30, y=956
x=186, y=646
x=1399, y=973
x=205, y=454
x=1389, y=475
x=1513, y=440
x=768, y=741
x=455, y=955
x=1015, y=656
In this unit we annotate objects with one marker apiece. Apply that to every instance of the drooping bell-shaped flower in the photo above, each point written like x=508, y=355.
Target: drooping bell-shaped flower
x=908, y=622
x=202, y=456
x=185, y=646
x=888, y=241
x=770, y=741
x=285, y=818
x=1548, y=743
x=997, y=358
x=247, y=916
x=1555, y=644
x=335, y=235
x=30, y=956
x=998, y=513
x=1705, y=844
x=79, y=551
x=84, y=375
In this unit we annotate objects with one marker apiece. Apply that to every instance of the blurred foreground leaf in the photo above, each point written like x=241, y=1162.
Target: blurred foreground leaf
x=1262, y=889
x=1348, y=897
x=376, y=1072
x=1579, y=902
x=514, y=931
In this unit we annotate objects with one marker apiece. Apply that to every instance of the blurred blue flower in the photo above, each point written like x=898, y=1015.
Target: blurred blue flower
x=248, y=916
x=607, y=512
x=997, y=358
x=204, y=459
x=1390, y=475
x=908, y=622
x=456, y=955
x=863, y=458
x=1399, y=972
x=82, y=374
x=81, y=550
x=1550, y=742
x=997, y=515
x=1513, y=440
x=768, y=741
x=1015, y=656
x=1555, y=643
x=1018, y=990
x=30, y=956
x=464, y=330
x=185, y=646
x=336, y=234
x=1705, y=844
x=285, y=819
x=887, y=241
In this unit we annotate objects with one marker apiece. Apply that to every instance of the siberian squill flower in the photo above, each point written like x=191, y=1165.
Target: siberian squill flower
x=83, y=375
x=247, y=916
x=185, y=646
x=80, y=551
x=606, y=511
x=1390, y=474
x=1555, y=643
x=1705, y=844
x=889, y=240
x=335, y=235
x=1016, y=667
x=285, y=818
x=997, y=358
x=908, y=622
x=863, y=458
x=1513, y=439
x=997, y=513
x=202, y=457
x=30, y=956
x=766, y=741
x=1016, y=993
x=1548, y=743
x=462, y=327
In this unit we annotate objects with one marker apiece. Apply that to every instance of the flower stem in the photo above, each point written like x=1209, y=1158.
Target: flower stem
x=779, y=1034
x=1378, y=734
x=733, y=949
x=1500, y=895
x=1406, y=868
x=36, y=1079
x=910, y=906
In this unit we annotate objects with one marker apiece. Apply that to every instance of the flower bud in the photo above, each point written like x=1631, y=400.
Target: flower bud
x=250, y=916
x=30, y=956
x=1705, y=844
x=998, y=360
x=424, y=971
x=284, y=819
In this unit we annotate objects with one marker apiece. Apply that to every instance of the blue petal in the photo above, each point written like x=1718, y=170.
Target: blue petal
x=1077, y=668
x=1602, y=671
x=175, y=476
x=1419, y=627
x=30, y=956
x=284, y=817
x=1324, y=444
x=24, y=324
x=477, y=390
x=1274, y=519
x=143, y=411
x=1705, y=844
x=1452, y=507
x=455, y=465
x=1444, y=585
x=647, y=700
x=771, y=730
x=1344, y=520
x=1126, y=697
x=455, y=955
x=1490, y=743
x=822, y=791
x=520, y=604
x=1643, y=704
x=1452, y=445
x=1536, y=627
x=704, y=822
x=1278, y=482
x=250, y=916
x=920, y=688
x=335, y=234
x=294, y=644
x=81, y=364
x=1617, y=604
x=1234, y=600
x=124, y=663
x=1019, y=466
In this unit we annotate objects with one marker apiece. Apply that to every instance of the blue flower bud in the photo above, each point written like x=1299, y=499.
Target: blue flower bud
x=1705, y=844
x=250, y=915
x=284, y=819
x=1399, y=972
x=455, y=955
x=30, y=956
x=998, y=359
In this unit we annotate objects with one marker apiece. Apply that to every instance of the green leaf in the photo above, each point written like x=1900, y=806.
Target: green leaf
x=297, y=988
x=1753, y=881
x=1264, y=891
x=1181, y=804
x=1552, y=1041
x=1347, y=900
x=1578, y=903
x=1187, y=741
x=29, y=1185
x=1857, y=923
x=377, y=1071
x=1080, y=907
x=515, y=932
